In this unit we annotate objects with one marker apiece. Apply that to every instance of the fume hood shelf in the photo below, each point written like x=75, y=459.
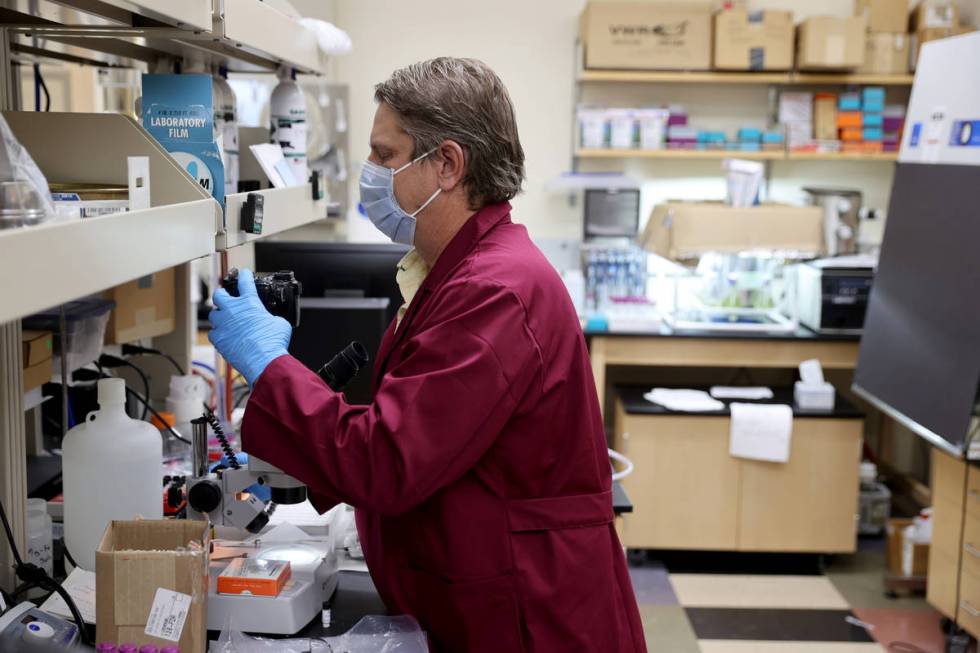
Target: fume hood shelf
x=50, y=264
x=284, y=209
x=242, y=35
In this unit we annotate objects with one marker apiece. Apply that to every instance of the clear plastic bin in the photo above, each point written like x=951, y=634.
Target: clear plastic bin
x=85, y=324
x=875, y=509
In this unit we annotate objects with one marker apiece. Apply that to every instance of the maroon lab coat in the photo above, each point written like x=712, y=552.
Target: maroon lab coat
x=479, y=471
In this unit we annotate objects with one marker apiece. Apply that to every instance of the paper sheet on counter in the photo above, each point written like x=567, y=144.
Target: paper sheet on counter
x=688, y=401
x=761, y=431
x=80, y=586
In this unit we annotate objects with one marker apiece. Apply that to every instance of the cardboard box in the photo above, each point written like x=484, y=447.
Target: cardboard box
x=685, y=230
x=931, y=14
x=38, y=346
x=37, y=375
x=825, y=116
x=884, y=15
x=922, y=37
x=761, y=40
x=886, y=54
x=145, y=308
x=828, y=43
x=146, y=584
x=646, y=35
x=253, y=577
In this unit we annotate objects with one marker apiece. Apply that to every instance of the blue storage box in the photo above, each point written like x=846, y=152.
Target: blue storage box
x=873, y=134
x=873, y=93
x=772, y=137
x=873, y=119
x=749, y=135
x=849, y=102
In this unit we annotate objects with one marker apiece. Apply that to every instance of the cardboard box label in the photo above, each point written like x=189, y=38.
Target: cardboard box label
x=167, y=615
x=644, y=35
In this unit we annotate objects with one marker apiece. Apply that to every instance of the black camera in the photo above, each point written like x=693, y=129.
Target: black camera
x=279, y=292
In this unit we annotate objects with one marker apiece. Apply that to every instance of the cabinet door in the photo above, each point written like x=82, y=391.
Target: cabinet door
x=968, y=617
x=685, y=485
x=809, y=503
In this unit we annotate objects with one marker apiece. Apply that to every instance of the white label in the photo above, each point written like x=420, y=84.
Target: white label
x=3, y=605
x=933, y=134
x=168, y=614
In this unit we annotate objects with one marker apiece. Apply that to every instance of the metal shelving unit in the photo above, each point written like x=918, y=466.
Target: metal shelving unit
x=47, y=265
x=759, y=78
x=713, y=155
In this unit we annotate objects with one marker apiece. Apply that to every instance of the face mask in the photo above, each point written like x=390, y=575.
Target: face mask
x=381, y=206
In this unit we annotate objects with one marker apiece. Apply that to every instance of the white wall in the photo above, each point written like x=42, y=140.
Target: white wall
x=530, y=43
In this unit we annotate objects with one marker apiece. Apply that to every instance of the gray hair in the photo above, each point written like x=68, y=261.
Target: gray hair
x=461, y=100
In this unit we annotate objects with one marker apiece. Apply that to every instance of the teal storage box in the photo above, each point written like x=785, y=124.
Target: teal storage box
x=873, y=120
x=873, y=134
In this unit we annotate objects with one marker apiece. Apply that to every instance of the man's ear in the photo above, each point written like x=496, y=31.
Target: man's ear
x=451, y=165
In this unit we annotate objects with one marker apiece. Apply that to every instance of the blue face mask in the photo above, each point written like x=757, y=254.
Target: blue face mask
x=381, y=206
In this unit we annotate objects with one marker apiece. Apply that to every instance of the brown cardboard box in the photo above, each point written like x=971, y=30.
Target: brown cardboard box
x=831, y=43
x=893, y=548
x=136, y=559
x=145, y=308
x=647, y=35
x=884, y=15
x=685, y=230
x=886, y=54
x=37, y=375
x=932, y=14
x=761, y=40
x=924, y=36
x=38, y=346
x=825, y=116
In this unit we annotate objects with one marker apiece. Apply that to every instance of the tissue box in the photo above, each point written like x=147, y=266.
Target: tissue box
x=814, y=396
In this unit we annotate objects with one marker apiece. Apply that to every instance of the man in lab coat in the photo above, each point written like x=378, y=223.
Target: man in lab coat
x=479, y=470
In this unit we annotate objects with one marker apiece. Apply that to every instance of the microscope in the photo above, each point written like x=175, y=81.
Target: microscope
x=220, y=496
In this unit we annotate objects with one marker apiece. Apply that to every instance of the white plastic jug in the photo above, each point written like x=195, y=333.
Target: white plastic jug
x=112, y=469
x=287, y=115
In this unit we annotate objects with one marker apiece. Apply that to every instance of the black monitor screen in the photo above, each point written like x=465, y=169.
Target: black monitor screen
x=920, y=354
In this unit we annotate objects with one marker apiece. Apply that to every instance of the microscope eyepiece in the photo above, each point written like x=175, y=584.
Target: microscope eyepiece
x=344, y=366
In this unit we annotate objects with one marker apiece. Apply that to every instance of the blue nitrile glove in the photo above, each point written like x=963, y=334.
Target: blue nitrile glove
x=244, y=332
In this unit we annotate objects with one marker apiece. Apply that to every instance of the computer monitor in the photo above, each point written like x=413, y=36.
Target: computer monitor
x=337, y=269
x=349, y=293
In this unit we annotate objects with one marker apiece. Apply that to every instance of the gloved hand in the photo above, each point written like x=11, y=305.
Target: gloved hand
x=244, y=332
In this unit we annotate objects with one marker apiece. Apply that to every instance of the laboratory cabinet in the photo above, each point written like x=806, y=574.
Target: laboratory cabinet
x=688, y=492
x=954, y=555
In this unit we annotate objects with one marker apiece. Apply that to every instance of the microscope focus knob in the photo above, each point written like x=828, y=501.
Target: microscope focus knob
x=205, y=496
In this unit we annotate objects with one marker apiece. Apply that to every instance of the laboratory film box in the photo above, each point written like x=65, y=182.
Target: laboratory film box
x=884, y=15
x=933, y=14
x=152, y=580
x=760, y=40
x=145, y=308
x=886, y=54
x=829, y=43
x=686, y=230
x=646, y=35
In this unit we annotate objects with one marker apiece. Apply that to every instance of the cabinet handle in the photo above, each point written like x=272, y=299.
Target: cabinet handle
x=969, y=608
x=972, y=550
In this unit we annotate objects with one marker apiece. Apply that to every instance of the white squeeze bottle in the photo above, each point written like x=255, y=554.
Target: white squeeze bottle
x=112, y=469
x=225, y=109
x=287, y=115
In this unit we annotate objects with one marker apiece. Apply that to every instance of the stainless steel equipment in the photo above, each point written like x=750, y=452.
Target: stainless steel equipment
x=833, y=300
x=841, y=208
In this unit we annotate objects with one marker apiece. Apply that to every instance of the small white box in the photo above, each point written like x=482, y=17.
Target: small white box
x=814, y=396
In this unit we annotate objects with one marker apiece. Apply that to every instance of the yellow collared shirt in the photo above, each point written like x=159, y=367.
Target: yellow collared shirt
x=412, y=270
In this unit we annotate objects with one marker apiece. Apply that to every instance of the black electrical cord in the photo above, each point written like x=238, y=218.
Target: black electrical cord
x=37, y=87
x=220, y=434
x=137, y=350
x=32, y=574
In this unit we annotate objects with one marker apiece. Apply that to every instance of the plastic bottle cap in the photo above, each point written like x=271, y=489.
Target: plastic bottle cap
x=112, y=391
x=148, y=648
x=106, y=647
x=170, y=649
x=169, y=419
